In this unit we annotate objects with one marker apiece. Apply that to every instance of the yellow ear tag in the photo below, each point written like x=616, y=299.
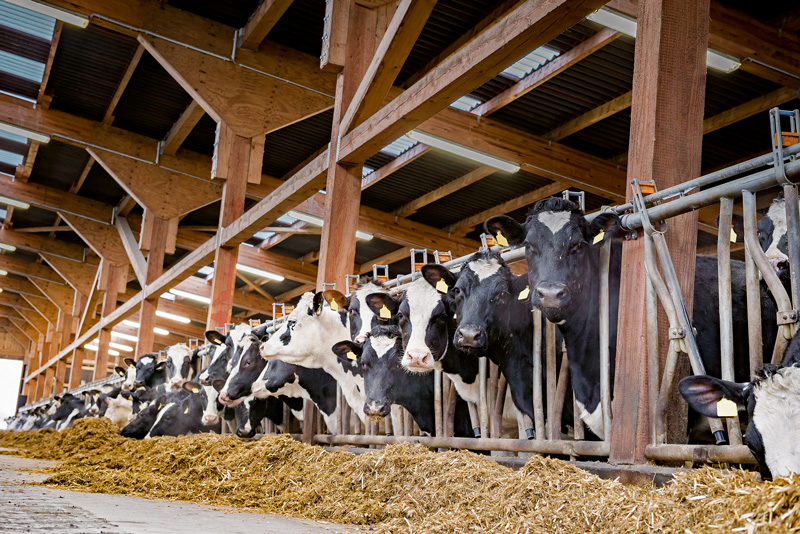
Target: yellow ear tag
x=524, y=293
x=727, y=408
x=334, y=305
x=384, y=313
x=352, y=356
x=455, y=316
x=501, y=240
x=599, y=237
x=733, y=235
x=195, y=390
x=441, y=286
x=186, y=410
x=159, y=406
x=218, y=342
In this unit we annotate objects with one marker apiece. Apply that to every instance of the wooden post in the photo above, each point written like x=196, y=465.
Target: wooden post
x=76, y=369
x=159, y=231
x=237, y=159
x=49, y=373
x=112, y=279
x=343, y=187
x=665, y=146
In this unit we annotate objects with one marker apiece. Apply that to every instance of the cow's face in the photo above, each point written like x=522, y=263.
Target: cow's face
x=773, y=404
x=482, y=297
x=146, y=367
x=362, y=316
x=179, y=364
x=248, y=416
x=217, y=369
x=425, y=318
x=772, y=234
x=246, y=371
x=378, y=361
x=128, y=374
x=561, y=253
x=176, y=417
x=299, y=339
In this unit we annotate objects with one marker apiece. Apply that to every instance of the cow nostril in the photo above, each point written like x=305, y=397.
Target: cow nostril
x=782, y=265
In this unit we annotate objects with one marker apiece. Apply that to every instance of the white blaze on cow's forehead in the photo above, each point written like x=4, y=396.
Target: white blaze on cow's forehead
x=554, y=220
x=146, y=359
x=160, y=415
x=777, y=214
x=382, y=344
x=777, y=417
x=422, y=300
x=239, y=332
x=484, y=268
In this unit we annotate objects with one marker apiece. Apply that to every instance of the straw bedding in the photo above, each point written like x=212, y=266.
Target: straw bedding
x=405, y=488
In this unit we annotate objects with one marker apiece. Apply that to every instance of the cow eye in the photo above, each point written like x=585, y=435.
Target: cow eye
x=531, y=248
x=574, y=249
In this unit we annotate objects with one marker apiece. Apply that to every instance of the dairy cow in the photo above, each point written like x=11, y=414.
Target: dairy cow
x=177, y=415
x=364, y=317
x=149, y=371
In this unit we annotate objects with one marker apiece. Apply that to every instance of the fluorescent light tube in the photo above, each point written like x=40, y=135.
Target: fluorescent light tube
x=157, y=330
x=10, y=248
x=3, y=273
x=113, y=352
x=464, y=152
x=318, y=221
x=259, y=272
x=191, y=296
x=24, y=132
x=16, y=203
x=65, y=16
x=161, y=331
x=366, y=236
x=173, y=317
x=120, y=346
x=124, y=336
x=718, y=61
x=615, y=21
x=132, y=324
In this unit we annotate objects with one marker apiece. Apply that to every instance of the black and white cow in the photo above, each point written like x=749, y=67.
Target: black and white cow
x=385, y=381
x=70, y=409
x=246, y=369
x=218, y=367
x=772, y=234
x=252, y=411
x=305, y=339
x=177, y=415
x=182, y=365
x=128, y=375
x=364, y=317
x=149, y=371
x=773, y=405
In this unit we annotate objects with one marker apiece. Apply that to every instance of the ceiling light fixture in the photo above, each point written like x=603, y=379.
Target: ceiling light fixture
x=190, y=296
x=464, y=152
x=318, y=221
x=24, y=132
x=16, y=203
x=64, y=16
x=259, y=272
x=173, y=317
x=10, y=248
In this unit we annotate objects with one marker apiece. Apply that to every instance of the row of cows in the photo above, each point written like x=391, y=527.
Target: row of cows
x=380, y=348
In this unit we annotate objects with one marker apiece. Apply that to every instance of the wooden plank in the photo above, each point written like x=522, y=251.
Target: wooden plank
x=447, y=189
x=53, y=200
x=548, y=71
x=182, y=128
x=398, y=40
x=530, y=25
x=103, y=238
x=115, y=275
x=396, y=164
x=334, y=35
x=123, y=83
x=155, y=266
x=593, y=116
x=29, y=269
x=26, y=168
x=37, y=243
x=748, y=109
x=80, y=276
x=468, y=224
x=292, y=293
x=263, y=19
x=250, y=103
x=42, y=99
x=665, y=146
x=130, y=243
x=61, y=295
x=403, y=253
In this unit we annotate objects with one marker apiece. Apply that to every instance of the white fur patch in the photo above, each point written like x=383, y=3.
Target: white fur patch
x=593, y=420
x=777, y=418
x=777, y=213
x=422, y=300
x=554, y=220
x=484, y=269
x=364, y=313
x=382, y=344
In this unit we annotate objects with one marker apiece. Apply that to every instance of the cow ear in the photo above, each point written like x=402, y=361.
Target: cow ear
x=120, y=370
x=215, y=337
x=347, y=351
x=160, y=402
x=316, y=307
x=192, y=387
x=161, y=365
x=435, y=274
x=125, y=394
x=130, y=362
x=336, y=299
x=512, y=231
x=376, y=303
x=703, y=392
x=605, y=223
x=737, y=225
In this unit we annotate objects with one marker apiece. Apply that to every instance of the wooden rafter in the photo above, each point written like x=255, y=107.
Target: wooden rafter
x=25, y=169
x=263, y=19
x=182, y=128
x=447, y=189
x=396, y=164
x=592, y=116
x=108, y=118
x=385, y=259
x=42, y=98
x=548, y=71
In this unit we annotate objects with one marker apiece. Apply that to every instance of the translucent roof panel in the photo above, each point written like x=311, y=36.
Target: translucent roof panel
x=11, y=158
x=21, y=67
x=26, y=21
x=366, y=170
x=399, y=146
x=466, y=103
x=13, y=137
x=530, y=63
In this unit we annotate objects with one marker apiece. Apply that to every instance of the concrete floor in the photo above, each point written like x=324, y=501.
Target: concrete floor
x=36, y=509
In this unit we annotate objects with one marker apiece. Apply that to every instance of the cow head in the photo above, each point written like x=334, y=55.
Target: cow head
x=177, y=415
x=773, y=404
x=247, y=369
x=146, y=368
x=217, y=369
x=425, y=318
x=277, y=378
x=362, y=315
x=378, y=361
x=128, y=374
x=772, y=234
x=562, y=254
x=311, y=323
x=179, y=365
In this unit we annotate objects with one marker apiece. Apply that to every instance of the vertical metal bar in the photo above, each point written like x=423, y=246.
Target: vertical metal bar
x=475, y=421
x=483, y=408
x=496, y=417
x=653, y=361
x=561, y=394
x=793, y=235
x=449, y=414
x=577, y=421
x=437, y=403
x=755, y=343
x=491, y=392
x=667, y=383
x=538, y=405
x=725, y=306
x=408, y=423
x=552, y=381
x=605, y=336
x=340, y=404
x=287, y=419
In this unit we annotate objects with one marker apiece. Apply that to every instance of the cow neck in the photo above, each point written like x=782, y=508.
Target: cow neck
x=420, y=407
x=319, y=393
x=462, y=369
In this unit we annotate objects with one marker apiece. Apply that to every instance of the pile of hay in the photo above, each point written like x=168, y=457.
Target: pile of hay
x=407, y=488
x=85, y=436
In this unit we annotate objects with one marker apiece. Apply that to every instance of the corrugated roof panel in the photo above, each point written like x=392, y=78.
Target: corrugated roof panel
x=87, y=68
x=23, y=44
x=27, y=21
x=11, y=158
x=202, y=137
x=33, y=216
x=605, y=139
x=288, y=147
x=301, y=27
x=728, y=90
x=230, y=12
x=19, y=87
x=58, y=165
x=99, y=185
x=22, y=67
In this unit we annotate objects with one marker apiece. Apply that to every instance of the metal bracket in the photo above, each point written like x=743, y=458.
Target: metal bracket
x=787, y=317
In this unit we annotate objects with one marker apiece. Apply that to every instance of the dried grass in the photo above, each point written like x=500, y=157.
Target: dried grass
x=407, y=488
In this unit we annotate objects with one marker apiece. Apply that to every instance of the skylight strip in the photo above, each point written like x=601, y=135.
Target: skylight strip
x=531, y=62
x=21, y=67
x=27, y=21
x=13, y=137
x=11, y=158
x=399, y=146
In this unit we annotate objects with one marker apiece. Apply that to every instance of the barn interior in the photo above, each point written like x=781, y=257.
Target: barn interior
x=169, y=167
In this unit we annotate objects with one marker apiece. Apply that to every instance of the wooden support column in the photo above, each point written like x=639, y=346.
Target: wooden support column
x=159, y=231
x=343, y=187
x=112, y=280
x=666, y=143
x=49, y=374
x=237, y=160
x=75, y=368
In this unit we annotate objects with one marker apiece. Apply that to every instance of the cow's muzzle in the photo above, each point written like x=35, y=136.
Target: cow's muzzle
x=551, y=295
x=471, y=336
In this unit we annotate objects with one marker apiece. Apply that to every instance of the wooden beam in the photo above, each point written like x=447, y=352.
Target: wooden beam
x=43, y=197
x=396, y=164
x=449, y=188
x=25, y=169
x=130, y=243
x=61, y=295
x=29, y=269
x=467, y=225
x=53, y=247
x=103, y=238
x=593, y=116
x=115, y=275
x=42, y=99
x=525, y=28
x=123, y=83
x=386, y=259
x=263, y=19
x=334, y=35
x=292, y=293
x=241, y=299
x=158, y=236
x=250, y=103
x=748, y=109
x=31, y=317
x=401, y=35
x=182, y=128
x=548, y=71
x=78, y=275
x=15, y=301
